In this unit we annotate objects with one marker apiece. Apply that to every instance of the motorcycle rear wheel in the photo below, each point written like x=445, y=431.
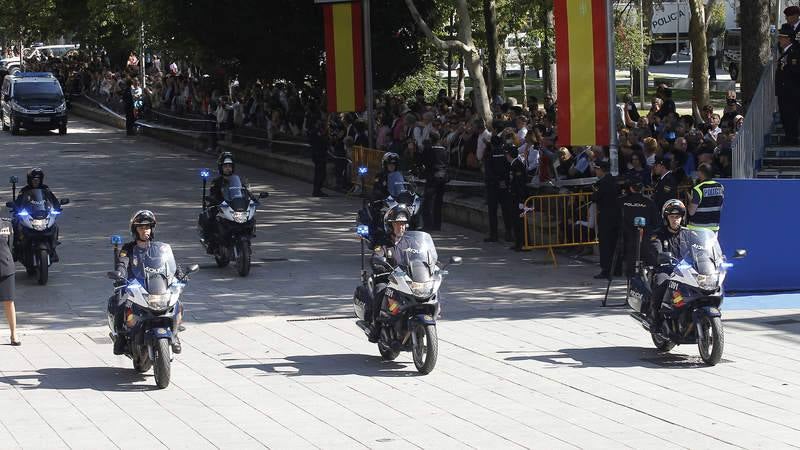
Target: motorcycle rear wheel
x=43, y=269
x=710, y=340
x=161, y=365
x=426, y=350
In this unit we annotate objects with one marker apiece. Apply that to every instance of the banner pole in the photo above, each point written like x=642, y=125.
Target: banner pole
x=612, y=90
x=368, y=74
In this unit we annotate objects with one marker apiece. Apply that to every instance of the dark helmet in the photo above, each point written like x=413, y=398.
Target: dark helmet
x=671, y=207
x=35, y=173
x=225, y=158
x=398, y=213
x=390, y=158
x=634, y=182
x=143, y=217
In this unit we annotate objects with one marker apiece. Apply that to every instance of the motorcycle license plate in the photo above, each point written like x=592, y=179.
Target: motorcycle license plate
x=41, y=119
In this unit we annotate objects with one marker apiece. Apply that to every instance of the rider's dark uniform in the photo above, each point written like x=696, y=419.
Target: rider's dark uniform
x=663, y=240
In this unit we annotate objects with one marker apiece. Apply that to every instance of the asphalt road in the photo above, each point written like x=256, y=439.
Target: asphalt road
x=527, y=356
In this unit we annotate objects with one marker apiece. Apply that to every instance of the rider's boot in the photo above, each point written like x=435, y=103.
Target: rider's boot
x=120, y=343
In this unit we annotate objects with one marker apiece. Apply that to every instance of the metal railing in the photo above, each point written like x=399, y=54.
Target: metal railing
x=559, y=220
x=748, y=146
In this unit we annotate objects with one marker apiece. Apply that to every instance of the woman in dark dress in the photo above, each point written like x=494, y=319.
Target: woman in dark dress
x=7, y=270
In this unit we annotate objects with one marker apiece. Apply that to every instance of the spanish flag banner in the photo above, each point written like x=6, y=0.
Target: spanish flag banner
x=344, y=54
x=583, y=69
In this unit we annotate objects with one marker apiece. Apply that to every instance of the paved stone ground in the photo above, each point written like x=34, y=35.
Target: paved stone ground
x=527, y=356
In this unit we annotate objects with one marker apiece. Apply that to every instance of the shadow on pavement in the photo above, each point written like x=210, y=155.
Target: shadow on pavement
x=95, y=378
x=615, y=357
x=785, y=323
x=334, y=365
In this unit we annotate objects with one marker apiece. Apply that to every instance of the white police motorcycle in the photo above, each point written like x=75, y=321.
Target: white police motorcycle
x=153, y=311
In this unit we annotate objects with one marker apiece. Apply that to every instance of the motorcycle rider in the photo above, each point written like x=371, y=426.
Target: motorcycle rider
x=226, y=168
x=130, y=265
x=35, y=180
x=667, y=238
x=395, y=223
x=389, y=180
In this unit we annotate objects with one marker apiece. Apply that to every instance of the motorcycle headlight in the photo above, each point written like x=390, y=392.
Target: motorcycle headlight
x=39, y=224
x=422, y=289
x=240, y=217
x=707, y=282
x=158, y=301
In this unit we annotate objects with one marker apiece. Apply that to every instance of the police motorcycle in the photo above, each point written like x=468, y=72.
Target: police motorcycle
x=403, y=317
x=690, y=309
x=235, y=224
x=36, y=217
x=153, y=310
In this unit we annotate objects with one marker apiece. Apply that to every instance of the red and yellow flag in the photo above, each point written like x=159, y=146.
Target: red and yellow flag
x=344, y=52
x=582, y=72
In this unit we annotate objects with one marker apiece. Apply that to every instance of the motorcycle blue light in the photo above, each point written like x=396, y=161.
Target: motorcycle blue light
x=54, y=212
x=205, y=173
x=362, y=230
x=116, y=239
x=23, y=213
x=362, y=170
x=727, y=265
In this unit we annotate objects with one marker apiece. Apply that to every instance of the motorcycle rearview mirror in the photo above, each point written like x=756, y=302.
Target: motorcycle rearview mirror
x=192, y=269
x=10, y=204
x=455, y=260
x=116, y=239
x=639, y=222
x=13, y=180
x=263, y=195
x=64, y=201
x=740, y=253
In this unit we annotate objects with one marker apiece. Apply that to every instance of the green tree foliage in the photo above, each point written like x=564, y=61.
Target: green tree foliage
x=630, y=41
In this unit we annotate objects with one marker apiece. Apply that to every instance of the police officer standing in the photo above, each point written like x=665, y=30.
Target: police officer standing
x=518, y=185
x=434, y=161
x=787, y=83
x=634, y=204
x=605, y=196
x=7, y=275
x=127, y=102
x=707, y=198
x=496, y=169
x=666, y=187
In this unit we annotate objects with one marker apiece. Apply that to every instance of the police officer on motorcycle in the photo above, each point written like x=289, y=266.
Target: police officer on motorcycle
x=386, y=181
x=130, y=265
x=665, y=239
x=35, y=180
x=395, y=223
x=226, y=168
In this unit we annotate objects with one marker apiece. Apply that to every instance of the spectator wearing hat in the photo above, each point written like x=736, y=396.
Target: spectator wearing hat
x=792, y=14
x=666, y=183
x=787, y=83
x=605, y=197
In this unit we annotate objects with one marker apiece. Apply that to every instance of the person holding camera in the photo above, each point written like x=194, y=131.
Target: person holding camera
x=496, y=169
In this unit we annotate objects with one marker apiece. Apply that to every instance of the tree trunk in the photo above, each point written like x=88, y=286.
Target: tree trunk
x=699, y=68
x=524, y=74
x=755, y=21
x=494, y=56
x=460, y=82
x=466, y=47
x=647, y=20
x=548, y=64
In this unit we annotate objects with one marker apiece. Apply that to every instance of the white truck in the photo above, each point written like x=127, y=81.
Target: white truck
x=670, y=27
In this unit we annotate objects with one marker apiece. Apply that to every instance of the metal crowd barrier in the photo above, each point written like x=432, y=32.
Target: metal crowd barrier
x=559, y=220
x=369, y=158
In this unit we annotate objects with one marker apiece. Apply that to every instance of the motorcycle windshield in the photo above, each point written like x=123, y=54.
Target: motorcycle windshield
x=35, y=202
x=702, y=258
x=157, y=269
x=416, y=254
x=235, y=193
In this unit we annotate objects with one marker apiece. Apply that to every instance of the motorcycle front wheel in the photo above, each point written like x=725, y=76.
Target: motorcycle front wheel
x=710, y=339
x=243, y=260
x=425, y=349
x=161, y=363
x=43, y=269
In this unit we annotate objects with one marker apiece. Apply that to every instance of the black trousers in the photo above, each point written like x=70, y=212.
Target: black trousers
x=629, y=251
x=790, y=114
x=712, y=68
x=659, y=289
x=432, y=202
x=497, y=196
x=608, y=243
x=320, y=169
x=130, y=122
